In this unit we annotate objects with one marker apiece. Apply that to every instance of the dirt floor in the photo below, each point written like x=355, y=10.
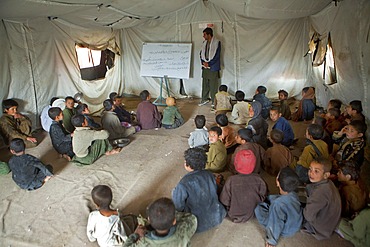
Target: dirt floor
x=148, y=168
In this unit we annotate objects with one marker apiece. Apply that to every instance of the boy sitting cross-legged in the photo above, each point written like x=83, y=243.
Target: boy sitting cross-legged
x=284, y=107
x=68, y=112
x=84, y=110
x=352, y=143
x=147, y=113
x=172, y=117
x=170, y=228
x=228, y=133
x=306, y=108
x=332, y=121
x=354, y=111
x=239, y=201
x=88, y=145
x=196, y=192
x=281, y=215
x=258, y=124
x=245, y=139
x=240, y=112
x=104, y=224
x=222, y=102
x=352, y=189
x=278, y=156
x=282, y=124
x=217, y=154
x=15, y=125
x=28, y=172
x=265, y=102
x=112, y=124
x=199, y=137
x=60, y=138
x=323, y=208
x=315, y=148
x=119, y=108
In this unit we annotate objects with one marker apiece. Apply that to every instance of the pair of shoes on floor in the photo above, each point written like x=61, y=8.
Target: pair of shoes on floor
x=203, y=103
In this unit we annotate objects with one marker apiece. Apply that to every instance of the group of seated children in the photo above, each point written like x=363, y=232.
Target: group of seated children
x=74, y=133
x=315, y=147
x=200, y=201
x=196, y=207
x=62, y=124
x=239, y=112
x=84, y=110
x=324, y=205
x=149, y=117
x=164, y=227
x=77, y=137
x=88, y=144
x=123, y=115
x=111, y=122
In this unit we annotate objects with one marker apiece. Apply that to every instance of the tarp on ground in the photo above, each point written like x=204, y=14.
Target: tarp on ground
x=263, y=43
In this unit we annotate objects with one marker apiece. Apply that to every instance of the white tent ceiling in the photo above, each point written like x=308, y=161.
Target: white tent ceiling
x=263, y=42
x=121, y=14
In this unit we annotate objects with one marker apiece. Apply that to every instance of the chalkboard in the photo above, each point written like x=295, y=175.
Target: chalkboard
x=170, y=59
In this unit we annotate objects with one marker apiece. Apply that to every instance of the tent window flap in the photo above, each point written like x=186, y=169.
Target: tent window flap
x=94, y=63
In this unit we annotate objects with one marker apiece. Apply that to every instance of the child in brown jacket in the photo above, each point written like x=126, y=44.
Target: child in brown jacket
x=278, y=156
x=323, y=208
x=228, y=133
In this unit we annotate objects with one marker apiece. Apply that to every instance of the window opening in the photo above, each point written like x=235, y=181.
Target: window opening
x=94, y=63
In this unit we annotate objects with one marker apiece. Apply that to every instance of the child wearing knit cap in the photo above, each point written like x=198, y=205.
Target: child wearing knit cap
x=239, y=201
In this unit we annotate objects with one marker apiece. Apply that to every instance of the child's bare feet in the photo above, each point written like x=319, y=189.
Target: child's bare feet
x=47, y=178
x=65, y=156
x=113, y=151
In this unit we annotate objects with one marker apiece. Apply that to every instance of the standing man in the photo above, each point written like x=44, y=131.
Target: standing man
x=211, y=65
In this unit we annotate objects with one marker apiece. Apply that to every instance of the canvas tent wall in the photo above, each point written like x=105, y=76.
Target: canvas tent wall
x=263, y=42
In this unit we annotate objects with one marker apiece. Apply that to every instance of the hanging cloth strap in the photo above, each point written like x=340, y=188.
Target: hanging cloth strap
x=317, y=151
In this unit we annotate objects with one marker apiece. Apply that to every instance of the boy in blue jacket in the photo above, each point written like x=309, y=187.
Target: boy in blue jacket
x=282, y=216
x=196, y=192
x=282, y=124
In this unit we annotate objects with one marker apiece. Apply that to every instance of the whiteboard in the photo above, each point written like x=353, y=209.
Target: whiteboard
x=166, y=59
